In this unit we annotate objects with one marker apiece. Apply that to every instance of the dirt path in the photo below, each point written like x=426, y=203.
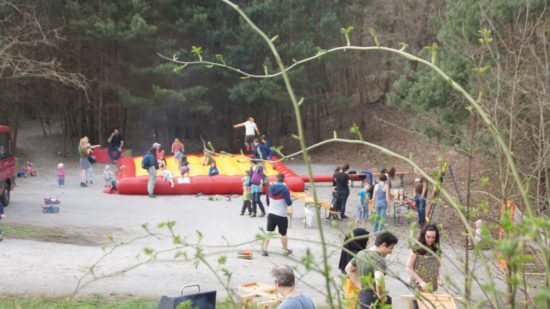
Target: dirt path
x=52, y=269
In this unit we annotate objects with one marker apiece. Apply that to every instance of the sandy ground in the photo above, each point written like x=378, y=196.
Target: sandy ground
x=52, y=269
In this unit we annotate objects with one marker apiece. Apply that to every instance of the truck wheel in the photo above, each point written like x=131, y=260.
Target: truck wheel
x=5, y=197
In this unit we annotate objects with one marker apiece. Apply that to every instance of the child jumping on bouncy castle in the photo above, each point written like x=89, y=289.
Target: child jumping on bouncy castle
x=247, y=195
x=166, y=174
x=60, y=175
x=267, y=145
x=184, y=167
x=213, y=170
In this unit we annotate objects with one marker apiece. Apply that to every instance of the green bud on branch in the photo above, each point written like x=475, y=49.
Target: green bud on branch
x=374, y=36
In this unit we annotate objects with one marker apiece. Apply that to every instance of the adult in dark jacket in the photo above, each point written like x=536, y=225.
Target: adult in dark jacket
x=341, y=188
x=353, y=243
x=152, y=166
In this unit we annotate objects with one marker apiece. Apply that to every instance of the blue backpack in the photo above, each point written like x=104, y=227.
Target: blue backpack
x=146, y=161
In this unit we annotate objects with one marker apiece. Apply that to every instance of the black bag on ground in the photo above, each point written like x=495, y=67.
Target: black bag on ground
x=203, y=299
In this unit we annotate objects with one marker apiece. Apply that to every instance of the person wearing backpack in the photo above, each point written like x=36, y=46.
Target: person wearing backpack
x=256, y=179
x=150, y=163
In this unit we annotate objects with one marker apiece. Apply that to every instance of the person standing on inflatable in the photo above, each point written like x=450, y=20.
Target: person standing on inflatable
x=116, y=142
x=250, y=131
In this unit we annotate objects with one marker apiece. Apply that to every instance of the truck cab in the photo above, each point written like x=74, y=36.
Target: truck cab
x=7, y=164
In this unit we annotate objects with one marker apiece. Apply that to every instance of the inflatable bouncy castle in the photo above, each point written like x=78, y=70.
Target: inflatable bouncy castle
x=132, y=178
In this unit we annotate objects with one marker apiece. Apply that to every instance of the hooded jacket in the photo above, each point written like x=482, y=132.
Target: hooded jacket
x=278, y=199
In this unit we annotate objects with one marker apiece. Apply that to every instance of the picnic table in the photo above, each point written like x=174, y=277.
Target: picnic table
x=309, y=201
x=260, y=293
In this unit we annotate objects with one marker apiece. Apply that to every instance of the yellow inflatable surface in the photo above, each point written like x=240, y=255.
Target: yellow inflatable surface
x=228, y=165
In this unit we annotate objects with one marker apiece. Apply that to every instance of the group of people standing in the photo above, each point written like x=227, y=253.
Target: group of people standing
x=85, y=151
x=378, y=193
x=365, y=267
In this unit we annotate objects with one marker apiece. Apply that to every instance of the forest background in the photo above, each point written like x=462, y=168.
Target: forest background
x=93, y=66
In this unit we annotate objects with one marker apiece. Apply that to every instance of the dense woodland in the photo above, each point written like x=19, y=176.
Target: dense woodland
x=93, y=65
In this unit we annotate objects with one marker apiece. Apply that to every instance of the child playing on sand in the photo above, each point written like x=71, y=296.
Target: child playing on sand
x=247, y=195
x=166, y=175
x=108, y=176
x=60, y=174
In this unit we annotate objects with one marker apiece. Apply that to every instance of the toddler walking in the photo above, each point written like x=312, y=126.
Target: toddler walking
x=60, y=175
x=247, y=195
x=108, y=176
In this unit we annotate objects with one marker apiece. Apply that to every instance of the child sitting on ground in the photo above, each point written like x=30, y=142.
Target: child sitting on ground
x=363, y=208
x=60, y=174
x=184, y=167
x=166, y=175
x=247, y=195
x=213, y=170
x=108, y=176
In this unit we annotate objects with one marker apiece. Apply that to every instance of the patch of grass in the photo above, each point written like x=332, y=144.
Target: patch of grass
x=13, y=302
x=30, y=231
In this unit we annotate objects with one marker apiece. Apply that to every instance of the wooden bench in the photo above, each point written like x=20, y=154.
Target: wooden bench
x=259, y=293
x=309, y=201
x=431, y=300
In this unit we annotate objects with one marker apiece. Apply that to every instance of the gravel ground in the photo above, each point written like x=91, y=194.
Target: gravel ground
x=36, y=268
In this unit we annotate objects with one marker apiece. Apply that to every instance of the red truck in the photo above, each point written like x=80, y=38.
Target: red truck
x=7, y=164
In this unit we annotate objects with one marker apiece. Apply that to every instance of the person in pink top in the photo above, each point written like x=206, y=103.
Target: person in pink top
x=178, y=150
x=60, y=174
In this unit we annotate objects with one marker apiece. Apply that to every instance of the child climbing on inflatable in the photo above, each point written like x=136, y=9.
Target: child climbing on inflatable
x=166, y=174
x=184, y=167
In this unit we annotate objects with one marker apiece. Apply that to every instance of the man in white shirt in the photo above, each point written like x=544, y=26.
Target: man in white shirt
x=250, y=129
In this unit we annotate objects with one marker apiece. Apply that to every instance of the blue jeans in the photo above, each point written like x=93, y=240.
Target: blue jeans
x=420, y=203
x=378, y=223
x=362, y=212
x=256, y=201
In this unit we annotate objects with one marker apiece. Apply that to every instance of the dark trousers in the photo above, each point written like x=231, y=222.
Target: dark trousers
x=369, y=300
x=246, y=206
x=256, y=201
x=341, y=199
x=114, y=154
